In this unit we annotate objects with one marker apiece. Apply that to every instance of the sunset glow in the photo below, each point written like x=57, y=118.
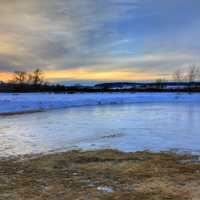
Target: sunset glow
x=98, y=75
x=80, y=74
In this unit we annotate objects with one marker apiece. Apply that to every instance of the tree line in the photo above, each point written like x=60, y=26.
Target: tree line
x=190, y=75
x=34, y=81
x=35, y=78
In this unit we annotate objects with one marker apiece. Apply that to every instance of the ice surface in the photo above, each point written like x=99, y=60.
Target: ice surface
x=160, y=122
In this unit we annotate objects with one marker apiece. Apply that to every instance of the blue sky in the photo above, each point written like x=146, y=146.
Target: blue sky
x=93, y=39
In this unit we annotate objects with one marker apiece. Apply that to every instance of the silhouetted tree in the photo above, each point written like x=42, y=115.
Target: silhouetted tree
x=192, y=74
x=20, y=77
x=36, y=77
x=178, y=75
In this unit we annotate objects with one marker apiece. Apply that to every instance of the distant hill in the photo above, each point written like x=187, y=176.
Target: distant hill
x=118, y=84
x=166, y=84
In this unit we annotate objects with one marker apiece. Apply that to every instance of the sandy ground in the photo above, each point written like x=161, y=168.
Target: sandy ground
x=105, y=174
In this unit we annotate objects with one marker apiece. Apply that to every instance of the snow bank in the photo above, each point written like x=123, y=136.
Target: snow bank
x=11, y=103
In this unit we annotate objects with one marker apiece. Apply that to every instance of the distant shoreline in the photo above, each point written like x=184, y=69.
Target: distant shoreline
x=184, y=87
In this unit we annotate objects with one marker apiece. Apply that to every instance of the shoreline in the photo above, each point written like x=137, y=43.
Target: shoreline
x=101, y=174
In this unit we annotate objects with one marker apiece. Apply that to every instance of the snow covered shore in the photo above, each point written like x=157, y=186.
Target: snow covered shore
x=12, y=103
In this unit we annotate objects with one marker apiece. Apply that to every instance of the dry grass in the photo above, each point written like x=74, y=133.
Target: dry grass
x=105, y=174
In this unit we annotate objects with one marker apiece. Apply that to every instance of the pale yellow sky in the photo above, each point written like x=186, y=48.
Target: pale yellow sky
x=85, y=74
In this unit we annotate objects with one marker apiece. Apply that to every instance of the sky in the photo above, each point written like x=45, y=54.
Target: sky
x=99, y=40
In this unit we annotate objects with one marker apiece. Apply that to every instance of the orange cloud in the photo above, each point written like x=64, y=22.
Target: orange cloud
x=6, y=76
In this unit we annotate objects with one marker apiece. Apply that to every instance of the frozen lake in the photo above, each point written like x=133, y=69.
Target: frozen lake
x=132, y=127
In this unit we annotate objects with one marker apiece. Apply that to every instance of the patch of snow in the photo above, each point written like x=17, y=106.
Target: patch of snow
x=11, y=103
x=105, y=189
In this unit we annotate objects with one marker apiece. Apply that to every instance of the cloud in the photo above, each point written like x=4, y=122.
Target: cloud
x=104, y=35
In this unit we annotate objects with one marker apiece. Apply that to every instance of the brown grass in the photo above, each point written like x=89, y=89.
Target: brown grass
x=105, y=174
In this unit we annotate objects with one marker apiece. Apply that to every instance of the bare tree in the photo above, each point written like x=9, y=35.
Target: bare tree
x=20, y=77
x=36, y=77
x=178, y=76
x=193, y=74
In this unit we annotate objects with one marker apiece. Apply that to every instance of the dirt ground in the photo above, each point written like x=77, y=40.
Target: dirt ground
x=103, y=174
